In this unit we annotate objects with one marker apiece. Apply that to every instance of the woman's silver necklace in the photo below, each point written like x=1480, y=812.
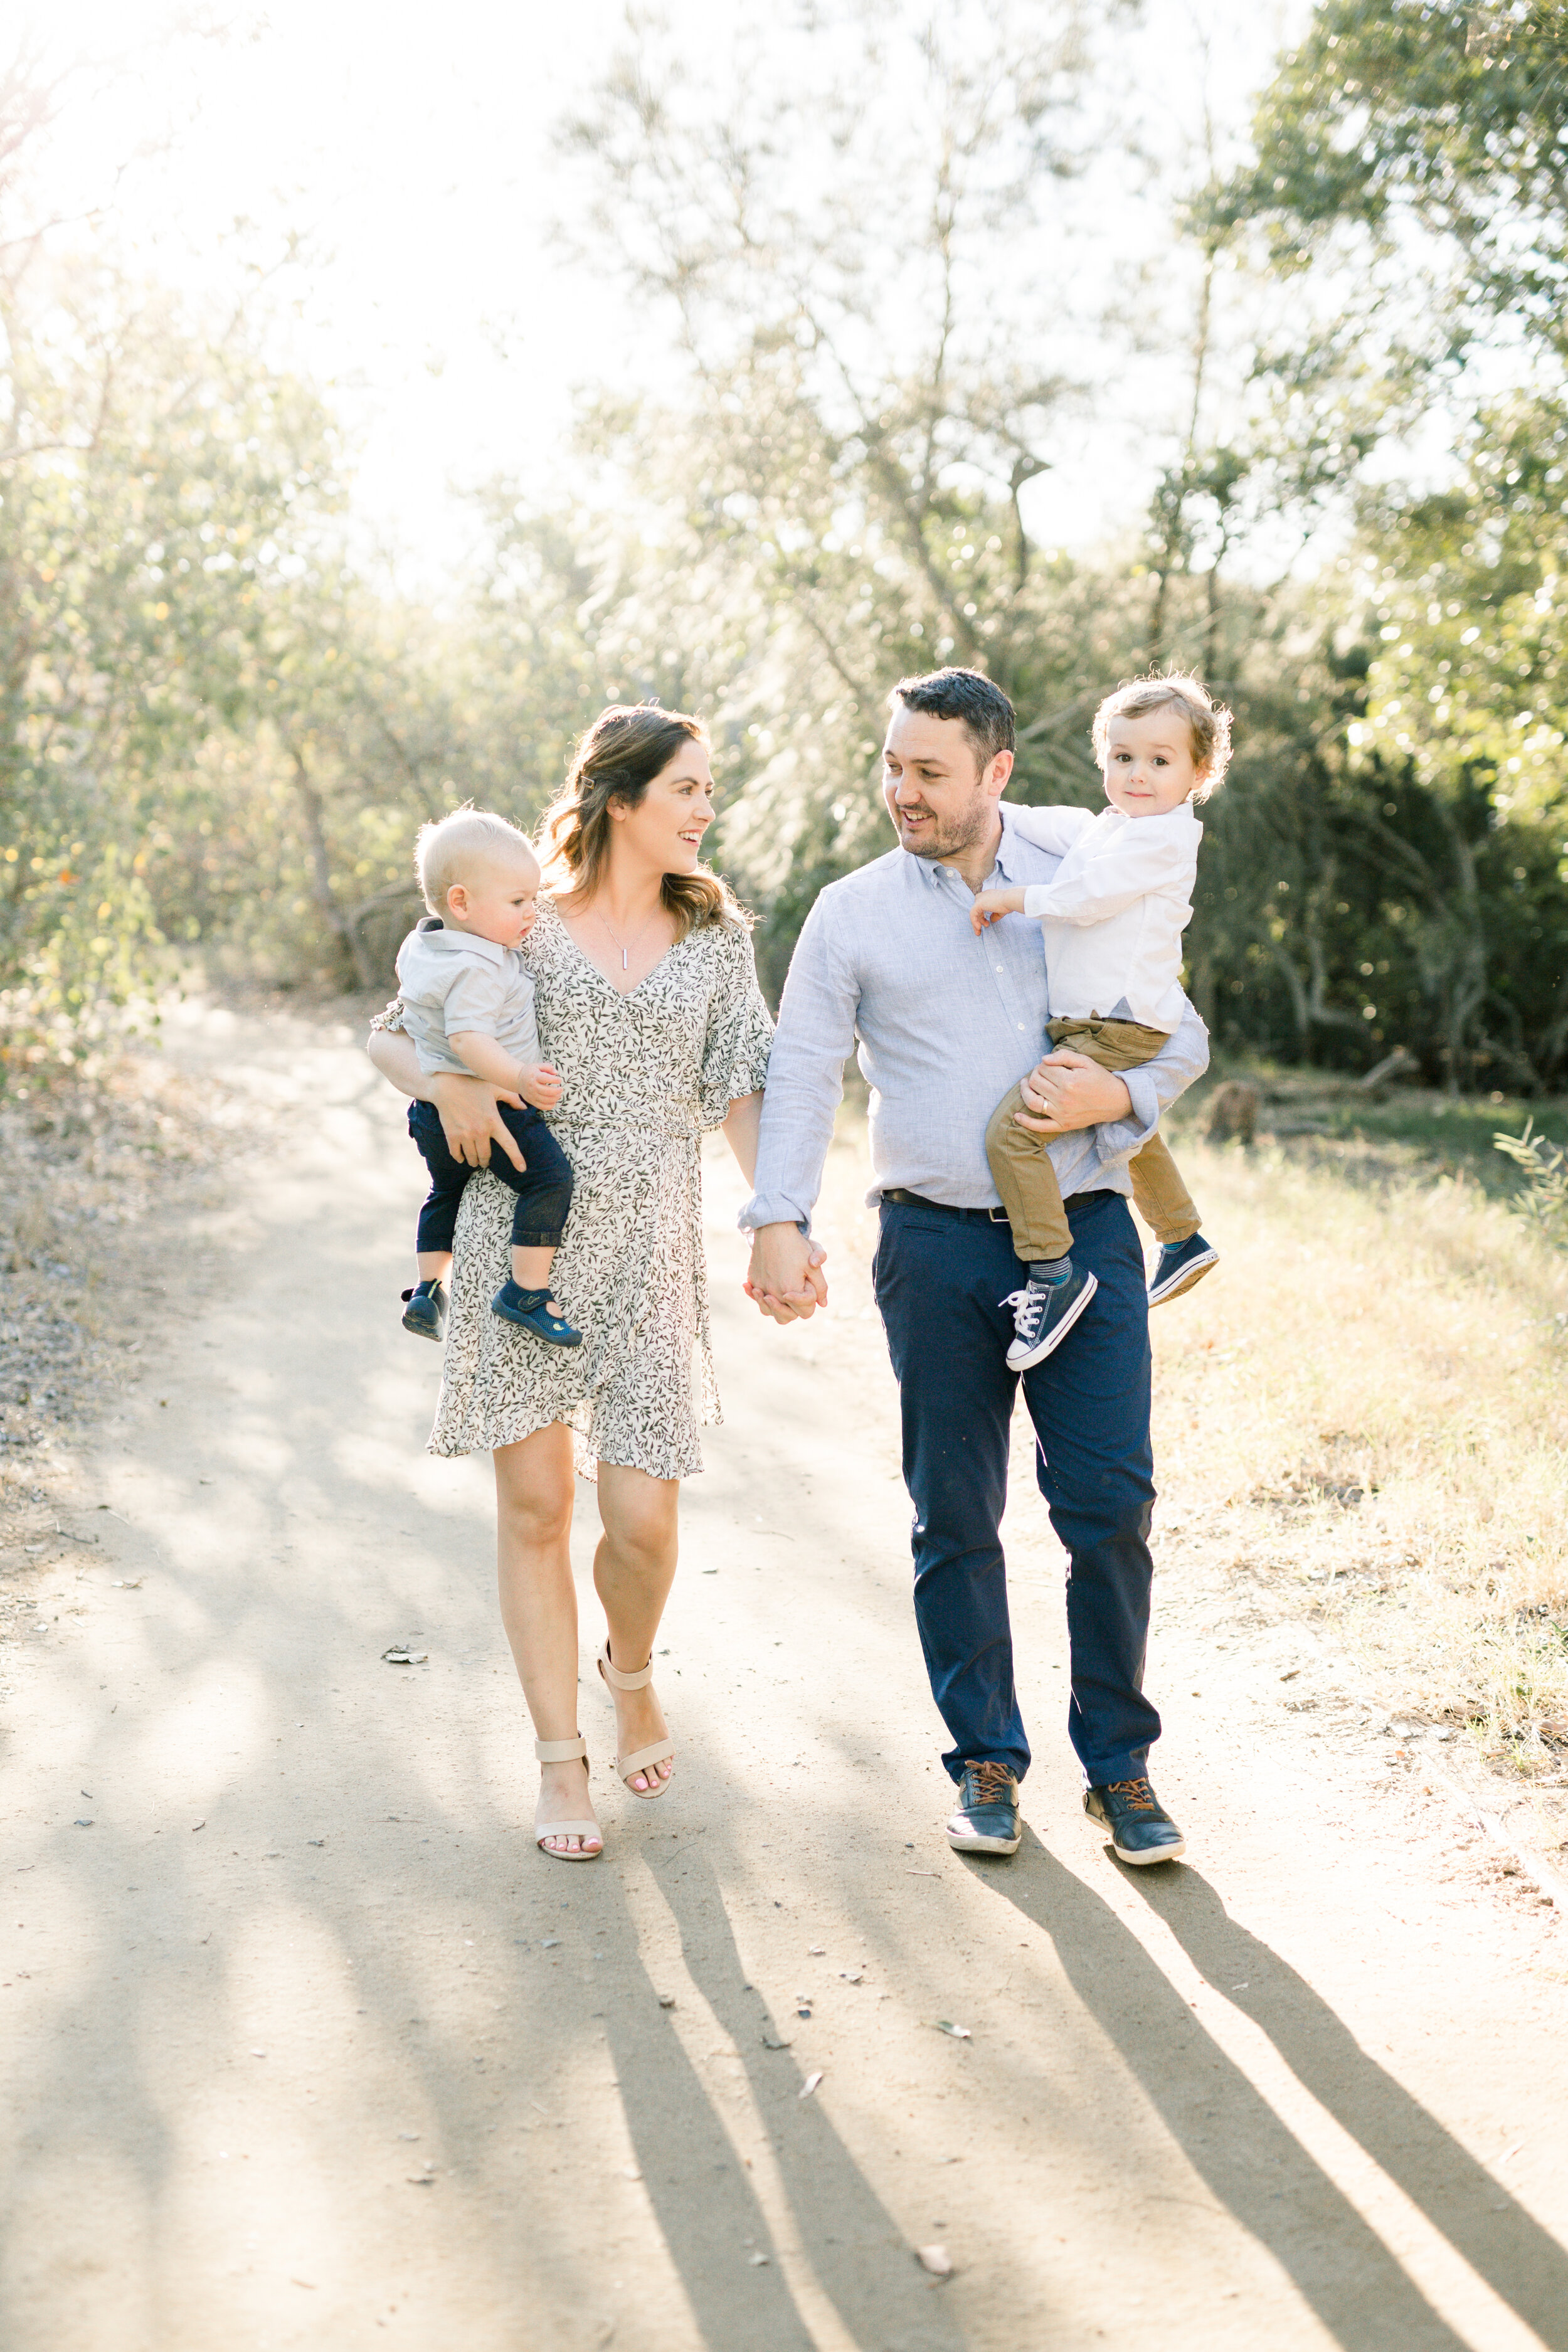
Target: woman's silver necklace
x=626, y=951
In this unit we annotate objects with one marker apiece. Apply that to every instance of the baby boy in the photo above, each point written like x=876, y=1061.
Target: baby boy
x=467, y=1003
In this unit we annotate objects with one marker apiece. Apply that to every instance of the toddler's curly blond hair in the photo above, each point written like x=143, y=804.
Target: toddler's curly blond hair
x=1208, y=723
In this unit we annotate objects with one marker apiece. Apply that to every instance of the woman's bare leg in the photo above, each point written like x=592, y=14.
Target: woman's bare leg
x=634, y=1569
x=539, y=1606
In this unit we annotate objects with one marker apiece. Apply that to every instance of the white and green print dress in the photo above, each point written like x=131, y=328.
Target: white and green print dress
x=644, y=1076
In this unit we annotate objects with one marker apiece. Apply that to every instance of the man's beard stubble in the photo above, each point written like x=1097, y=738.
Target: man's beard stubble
x=951, y=839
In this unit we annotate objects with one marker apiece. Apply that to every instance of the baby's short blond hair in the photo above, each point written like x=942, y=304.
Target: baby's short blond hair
x=1208, y=724
x=452, y=849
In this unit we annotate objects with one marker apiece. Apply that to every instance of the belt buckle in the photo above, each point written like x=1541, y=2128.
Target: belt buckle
x=997, y=1216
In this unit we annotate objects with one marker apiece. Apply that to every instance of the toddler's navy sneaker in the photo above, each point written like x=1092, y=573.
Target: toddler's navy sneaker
x=424, y=1310
x=1043, y=1315
x=531, y=1309
x=1181, y=1265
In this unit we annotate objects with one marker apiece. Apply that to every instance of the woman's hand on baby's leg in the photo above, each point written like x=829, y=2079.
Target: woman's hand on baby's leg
x=469, y=1119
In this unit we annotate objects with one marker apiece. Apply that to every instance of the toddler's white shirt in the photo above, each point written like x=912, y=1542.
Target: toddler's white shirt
x=1113, y=913
x=452, y=982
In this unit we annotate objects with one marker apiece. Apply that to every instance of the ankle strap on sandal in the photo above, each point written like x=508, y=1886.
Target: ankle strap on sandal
x=560, y=1751
x=618, y=1681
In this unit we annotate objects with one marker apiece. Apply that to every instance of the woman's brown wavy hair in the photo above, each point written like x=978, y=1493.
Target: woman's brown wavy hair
x=625, y=748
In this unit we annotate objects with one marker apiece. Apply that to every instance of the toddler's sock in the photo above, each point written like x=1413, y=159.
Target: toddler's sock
x=1051, y=1269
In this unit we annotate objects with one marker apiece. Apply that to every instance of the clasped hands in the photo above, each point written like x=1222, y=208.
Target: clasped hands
x=1064, y=1091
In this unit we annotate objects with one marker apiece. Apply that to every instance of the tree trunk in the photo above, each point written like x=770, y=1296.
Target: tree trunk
x=337, y=922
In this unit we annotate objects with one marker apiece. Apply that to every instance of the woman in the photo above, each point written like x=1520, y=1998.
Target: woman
x=648, y=1007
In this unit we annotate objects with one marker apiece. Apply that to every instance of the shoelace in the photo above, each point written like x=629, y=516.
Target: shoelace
x=1137, y=1793
x=993, y=1781
x=1029, y=1309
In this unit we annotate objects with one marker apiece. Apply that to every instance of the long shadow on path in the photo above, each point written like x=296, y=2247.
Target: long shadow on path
x=1524, y=2264
x=861, y=2258
x=1250, y=2160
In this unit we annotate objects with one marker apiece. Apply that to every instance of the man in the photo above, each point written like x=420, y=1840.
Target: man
x=946, y=1023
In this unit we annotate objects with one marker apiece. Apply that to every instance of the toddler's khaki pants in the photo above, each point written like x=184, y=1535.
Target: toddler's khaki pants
x=1021, y=1168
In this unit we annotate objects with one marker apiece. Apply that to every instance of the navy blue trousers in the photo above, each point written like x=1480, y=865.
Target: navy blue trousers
x=940, y=1276
x=543, y=1189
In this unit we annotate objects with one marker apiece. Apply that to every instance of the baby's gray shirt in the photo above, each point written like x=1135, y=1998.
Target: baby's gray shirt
x=450, y=982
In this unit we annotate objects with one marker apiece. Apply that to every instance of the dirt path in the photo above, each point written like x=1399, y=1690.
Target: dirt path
x=304, y=2045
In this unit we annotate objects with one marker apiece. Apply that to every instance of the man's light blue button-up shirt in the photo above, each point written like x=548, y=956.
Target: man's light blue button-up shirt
x=945, y=1023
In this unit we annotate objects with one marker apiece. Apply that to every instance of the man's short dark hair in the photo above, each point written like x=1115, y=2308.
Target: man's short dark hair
x=965, y=694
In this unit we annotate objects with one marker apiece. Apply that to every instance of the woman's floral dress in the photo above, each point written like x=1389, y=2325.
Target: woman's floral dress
x=645, y=1075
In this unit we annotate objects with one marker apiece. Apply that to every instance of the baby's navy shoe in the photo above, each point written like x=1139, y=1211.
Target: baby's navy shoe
x=1181, y=1265
x=530, y=1309
x=424, y=1310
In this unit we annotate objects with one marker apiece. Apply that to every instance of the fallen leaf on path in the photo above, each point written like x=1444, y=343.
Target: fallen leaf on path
x=402, y=1655
x=758, y=2261
x=812, y=2081
x=127, y=1583
x=917, y=1874
x=936, y=2259
x=81, y=1825
x=667, y=2001
x=550, y=1943
x=959, y=2032
x=813, y=1951
x=774, y=2042
x=197, y=1825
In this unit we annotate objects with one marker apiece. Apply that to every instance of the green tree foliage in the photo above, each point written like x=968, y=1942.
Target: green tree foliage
x=1446, y=118
x=1416, y=158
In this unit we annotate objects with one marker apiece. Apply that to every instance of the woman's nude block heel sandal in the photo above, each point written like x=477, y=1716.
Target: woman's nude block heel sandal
x=561, y=1751
x=662, y=1751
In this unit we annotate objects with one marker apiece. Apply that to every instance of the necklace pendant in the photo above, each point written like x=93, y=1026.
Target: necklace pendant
x=625, y=965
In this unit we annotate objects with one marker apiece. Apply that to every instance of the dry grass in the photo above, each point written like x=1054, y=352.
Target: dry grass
x=1367, y=1403
x=88, y=1153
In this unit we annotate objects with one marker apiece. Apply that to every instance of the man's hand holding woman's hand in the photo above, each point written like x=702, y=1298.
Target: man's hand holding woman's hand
x=785, y=1276
x=1067, y=1091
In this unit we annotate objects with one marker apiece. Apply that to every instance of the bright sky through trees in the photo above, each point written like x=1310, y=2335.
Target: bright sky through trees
x=412, y=151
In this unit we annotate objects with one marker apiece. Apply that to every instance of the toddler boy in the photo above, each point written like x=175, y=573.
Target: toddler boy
x=467, y=1003
x=1112, y=917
